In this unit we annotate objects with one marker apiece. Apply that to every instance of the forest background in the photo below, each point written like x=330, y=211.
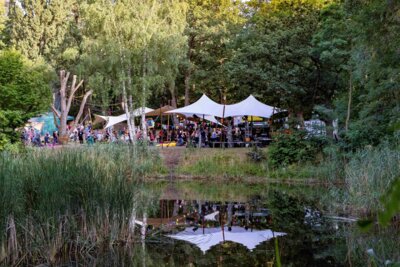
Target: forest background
x=331, y=59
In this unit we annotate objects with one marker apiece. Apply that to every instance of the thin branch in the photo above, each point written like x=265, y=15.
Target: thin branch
x=88, y=93
x=73, y=91
x=55, y=111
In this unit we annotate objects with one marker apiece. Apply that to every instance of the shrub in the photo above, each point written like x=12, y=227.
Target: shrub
x=295, y=147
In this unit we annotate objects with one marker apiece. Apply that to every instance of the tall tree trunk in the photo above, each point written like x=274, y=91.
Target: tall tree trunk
x=144, y=124
x=131, y=121
x=346, y=126
x=63, y=94
x=188, y=75
x=171, y=88
x=130, y=116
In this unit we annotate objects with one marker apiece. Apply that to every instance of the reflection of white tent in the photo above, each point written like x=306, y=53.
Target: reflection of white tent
x=112, y=120
x=213, y=236
x=204, y=106
x=249, y=107
x=211, y=217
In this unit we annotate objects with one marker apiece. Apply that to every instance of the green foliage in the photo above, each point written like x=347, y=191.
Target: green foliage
x=24, y=92
x=296, y=147
x=211, y=27
x=391, y=202
x=40, y=28
x=272, y=56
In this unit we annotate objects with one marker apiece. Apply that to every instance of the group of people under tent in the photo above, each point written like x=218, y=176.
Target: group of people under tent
x=201, y=133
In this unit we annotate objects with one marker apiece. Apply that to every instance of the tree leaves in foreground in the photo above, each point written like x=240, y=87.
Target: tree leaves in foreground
x=24, y=91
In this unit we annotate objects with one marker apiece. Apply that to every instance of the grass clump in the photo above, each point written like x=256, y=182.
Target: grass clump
x=369, y=174
x=57, y=205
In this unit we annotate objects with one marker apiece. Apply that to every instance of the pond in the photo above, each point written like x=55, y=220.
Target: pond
x=202, y=224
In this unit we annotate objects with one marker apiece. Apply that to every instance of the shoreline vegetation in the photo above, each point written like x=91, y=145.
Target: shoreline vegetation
x=58, y=205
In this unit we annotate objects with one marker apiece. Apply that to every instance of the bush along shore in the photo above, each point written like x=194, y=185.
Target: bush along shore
x=61, y=205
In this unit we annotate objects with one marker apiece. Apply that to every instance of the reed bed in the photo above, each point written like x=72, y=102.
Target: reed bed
x=368, y=176
x=61, y=205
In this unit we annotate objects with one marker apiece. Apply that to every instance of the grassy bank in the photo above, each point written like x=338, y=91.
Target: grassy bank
x=358, y=180
x=58, y=205
x=237, y=163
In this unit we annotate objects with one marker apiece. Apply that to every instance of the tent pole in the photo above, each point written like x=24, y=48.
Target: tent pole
x=168, y=138
x=222, y=119
x=251, y=129
x=200, y=137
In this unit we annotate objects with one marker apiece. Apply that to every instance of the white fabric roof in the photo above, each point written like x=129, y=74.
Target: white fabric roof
x=112, y=120
x=249, y=107
x=213, y=236
x=203, y=106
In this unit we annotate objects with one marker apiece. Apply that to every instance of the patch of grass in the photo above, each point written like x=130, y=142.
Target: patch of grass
x=220, y=162
x=239, y=163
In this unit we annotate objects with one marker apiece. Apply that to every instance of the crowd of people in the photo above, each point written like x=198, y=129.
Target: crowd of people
x=195, y=134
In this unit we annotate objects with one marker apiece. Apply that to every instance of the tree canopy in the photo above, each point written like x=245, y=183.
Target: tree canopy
x=337, y=59
x=24, y=91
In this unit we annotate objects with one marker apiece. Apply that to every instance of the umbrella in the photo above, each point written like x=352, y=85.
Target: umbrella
x=214, y=236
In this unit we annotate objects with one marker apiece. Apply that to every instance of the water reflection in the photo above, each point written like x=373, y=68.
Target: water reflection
x=206, y=216
x=203, y=230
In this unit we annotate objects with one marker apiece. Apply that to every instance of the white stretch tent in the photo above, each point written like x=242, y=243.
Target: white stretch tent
x=213, y=236
x=249, y=107
x=112, y=120
x=207, y=107
x=204, y=106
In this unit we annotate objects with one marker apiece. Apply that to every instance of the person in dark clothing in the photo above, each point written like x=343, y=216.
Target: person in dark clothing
x=55, y=138
x=80, y=136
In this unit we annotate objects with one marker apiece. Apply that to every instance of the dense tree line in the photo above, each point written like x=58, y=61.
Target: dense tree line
x=334, y=58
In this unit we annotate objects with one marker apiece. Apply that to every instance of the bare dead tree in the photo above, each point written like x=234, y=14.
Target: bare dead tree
x=67, y=94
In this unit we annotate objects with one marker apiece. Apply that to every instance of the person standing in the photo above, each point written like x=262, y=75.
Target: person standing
x=55, y=138
x=80, y=135
x=47, y=139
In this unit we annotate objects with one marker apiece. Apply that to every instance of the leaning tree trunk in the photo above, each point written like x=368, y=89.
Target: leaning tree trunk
x=346, y=127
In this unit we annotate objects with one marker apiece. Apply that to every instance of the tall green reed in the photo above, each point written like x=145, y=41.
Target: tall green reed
x=368, y=175
x=68, y=199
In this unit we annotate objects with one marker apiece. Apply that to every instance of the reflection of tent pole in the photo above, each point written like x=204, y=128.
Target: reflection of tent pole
x=222, y=225
x=203, y=224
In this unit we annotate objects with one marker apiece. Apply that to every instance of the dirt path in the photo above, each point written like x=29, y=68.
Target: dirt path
x=171, y=157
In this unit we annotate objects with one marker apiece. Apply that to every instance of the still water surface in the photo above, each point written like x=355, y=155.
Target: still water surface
x=192, y=224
